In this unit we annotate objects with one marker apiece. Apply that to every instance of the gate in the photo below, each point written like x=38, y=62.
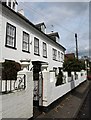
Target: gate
x=37, y=98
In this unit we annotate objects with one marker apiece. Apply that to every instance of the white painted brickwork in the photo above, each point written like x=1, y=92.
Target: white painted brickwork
x=0, y=58
x=20, y=103
x=52, y=92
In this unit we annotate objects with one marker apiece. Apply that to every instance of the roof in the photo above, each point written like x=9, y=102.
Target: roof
x=40, y=24
x=16, y=2
x=31, y=24
x=70, y=56
x=53, y=34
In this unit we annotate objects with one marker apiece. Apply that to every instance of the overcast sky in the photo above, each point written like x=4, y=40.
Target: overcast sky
x=66, y=18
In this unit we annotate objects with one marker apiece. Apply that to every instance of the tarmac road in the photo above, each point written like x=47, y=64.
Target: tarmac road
x=85, y=111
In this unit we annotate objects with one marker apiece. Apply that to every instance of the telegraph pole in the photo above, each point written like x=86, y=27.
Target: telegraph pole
x=76, y=46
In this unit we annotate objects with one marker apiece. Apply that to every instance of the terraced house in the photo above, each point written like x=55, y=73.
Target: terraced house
x=22, y=41
x=43, y=57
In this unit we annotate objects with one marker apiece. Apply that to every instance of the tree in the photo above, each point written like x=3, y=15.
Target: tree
x=73, y=65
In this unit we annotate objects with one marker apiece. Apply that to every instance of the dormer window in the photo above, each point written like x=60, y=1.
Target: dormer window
x=9, y=4
x=13, y=5
x=4, y=3
x=41, y=26
x=54, y=36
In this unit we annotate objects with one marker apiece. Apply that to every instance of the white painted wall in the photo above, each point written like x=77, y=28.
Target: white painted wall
x=0, y=59
x=17, y=55
x=0, y=31
x=52, y=92
x=20, y=103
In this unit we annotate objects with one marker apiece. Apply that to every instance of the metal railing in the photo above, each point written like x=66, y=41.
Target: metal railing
x=13, y=85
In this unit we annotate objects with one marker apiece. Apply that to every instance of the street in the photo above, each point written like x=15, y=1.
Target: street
x=85, y=109
x=69, y=104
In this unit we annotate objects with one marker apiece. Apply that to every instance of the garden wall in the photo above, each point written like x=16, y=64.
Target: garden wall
x=19, y=104
x=51, y=92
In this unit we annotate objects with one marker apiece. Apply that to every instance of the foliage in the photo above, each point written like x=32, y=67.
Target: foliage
x=73, y=65
x=59, y=79
x=10, y=69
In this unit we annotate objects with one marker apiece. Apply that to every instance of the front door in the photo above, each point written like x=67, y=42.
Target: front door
x=36, y=70
x=37, y=92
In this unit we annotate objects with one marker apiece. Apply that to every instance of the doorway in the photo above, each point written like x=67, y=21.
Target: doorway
x=38, y=86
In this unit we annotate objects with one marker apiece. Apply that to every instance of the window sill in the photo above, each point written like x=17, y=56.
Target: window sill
x=25, y=51
x=11, y=47
x=45, y=56
x=55, y=60
x=36, y=54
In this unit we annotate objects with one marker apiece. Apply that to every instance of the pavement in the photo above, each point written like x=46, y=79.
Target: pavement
x=69, y=105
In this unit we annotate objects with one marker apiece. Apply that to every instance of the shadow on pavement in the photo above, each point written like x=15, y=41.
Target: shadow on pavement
x=84, y=87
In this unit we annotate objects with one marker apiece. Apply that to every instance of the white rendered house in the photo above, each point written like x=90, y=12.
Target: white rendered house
x=21, y=40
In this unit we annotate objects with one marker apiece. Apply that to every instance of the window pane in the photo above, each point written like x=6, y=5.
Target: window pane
x=9, y=4
x=36, y=45
x=25, y=41
x=44, y=49
x=58, y=55
x=13, y=5
x=10, y=38
x=54, y=54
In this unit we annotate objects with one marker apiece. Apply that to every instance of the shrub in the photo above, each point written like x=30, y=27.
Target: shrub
x=59, y=79
x=10, y=69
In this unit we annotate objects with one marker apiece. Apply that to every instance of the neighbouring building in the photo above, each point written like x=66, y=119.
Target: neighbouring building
x=69, y=56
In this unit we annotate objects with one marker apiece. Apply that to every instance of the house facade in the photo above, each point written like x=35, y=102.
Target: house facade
x=22, y=40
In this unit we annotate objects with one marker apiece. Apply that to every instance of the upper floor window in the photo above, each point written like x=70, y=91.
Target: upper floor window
x=25, y=42
x=58, y=55
x=4, y=3
x=13, y=5
x=54, y=54
x=10, y=35
x=9, y=4
x=44, y=50
x=62, y=56
x=36, y=46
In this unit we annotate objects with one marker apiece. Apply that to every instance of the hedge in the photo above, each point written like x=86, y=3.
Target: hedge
x=10, y=69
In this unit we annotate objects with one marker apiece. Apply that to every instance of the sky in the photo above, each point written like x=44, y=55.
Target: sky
x=66, y=18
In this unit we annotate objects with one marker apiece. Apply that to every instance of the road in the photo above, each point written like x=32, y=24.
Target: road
x=85, y=111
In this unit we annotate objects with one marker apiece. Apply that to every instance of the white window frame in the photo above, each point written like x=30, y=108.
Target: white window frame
x=44, y=49
x=10, y=36
x=36, y=46
x=54, y=54
x=59, y=56
x=25, y=42
x=62, y=56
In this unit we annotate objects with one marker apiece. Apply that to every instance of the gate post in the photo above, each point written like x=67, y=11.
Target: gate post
x=29, y=91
